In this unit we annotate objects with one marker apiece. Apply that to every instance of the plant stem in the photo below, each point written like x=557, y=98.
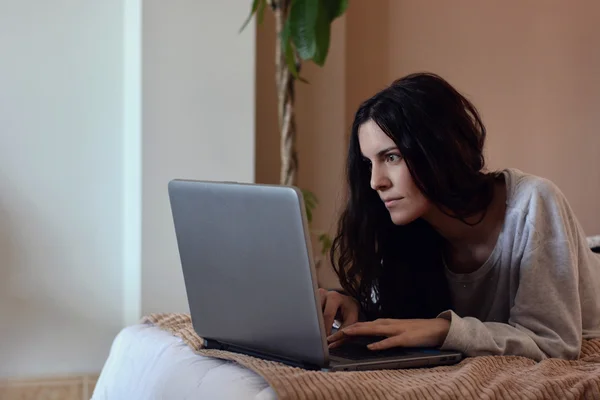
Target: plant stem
x=285, y=97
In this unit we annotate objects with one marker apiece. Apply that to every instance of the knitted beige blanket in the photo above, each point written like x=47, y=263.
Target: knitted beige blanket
x=474, y=378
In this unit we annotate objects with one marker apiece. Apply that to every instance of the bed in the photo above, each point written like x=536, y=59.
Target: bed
x=161, y=358
x=146, y=362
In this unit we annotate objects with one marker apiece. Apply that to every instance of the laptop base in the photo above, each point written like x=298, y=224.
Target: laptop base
x=215, y=345
x=411, y=359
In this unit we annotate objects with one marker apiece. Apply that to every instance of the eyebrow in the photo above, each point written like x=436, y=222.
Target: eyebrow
x=381, y=153
x=386, y=150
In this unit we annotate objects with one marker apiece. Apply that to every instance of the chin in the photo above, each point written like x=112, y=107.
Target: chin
x=403, y=218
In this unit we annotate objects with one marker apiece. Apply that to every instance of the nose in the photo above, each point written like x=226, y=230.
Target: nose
x=379, y=180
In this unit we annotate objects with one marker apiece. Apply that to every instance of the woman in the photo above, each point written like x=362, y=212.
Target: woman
x=437, y=252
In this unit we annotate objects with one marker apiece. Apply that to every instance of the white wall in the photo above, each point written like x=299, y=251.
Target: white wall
x=90, y=133
x=198, y=121
x=132, y=162
x=61, y=83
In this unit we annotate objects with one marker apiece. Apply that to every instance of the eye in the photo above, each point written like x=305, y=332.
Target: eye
x=392, y=158
x=367, y=163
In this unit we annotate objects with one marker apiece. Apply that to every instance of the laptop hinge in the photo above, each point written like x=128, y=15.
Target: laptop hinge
x=210, y=344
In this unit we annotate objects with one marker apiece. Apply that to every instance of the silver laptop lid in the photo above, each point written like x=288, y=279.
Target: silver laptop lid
x=247, y=266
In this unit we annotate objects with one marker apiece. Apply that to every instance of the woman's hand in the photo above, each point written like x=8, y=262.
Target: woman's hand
x=399, y=333
x=334, y=303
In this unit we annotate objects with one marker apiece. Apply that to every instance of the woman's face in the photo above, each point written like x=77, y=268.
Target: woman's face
x=390, y=176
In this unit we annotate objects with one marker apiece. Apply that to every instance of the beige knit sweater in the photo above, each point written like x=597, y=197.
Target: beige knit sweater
x=538, y=294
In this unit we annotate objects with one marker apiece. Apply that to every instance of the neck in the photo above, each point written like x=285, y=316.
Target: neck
x=454, y=230
x=472, y=230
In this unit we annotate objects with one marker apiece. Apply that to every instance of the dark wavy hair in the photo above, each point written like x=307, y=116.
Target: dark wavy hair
x=397, y=271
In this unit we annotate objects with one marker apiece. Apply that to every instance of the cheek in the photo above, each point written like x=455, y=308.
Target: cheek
x=421, y=204
x=418, y=202
x=418, y=196
x=415, y=206
x=417, y=199
x=411, y=209
x=404, y=180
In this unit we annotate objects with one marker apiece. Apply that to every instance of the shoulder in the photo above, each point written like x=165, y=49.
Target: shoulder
x=539, y=208
x=534, y=196
x=523, y=186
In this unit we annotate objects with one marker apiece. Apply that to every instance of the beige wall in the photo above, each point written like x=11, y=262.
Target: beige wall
x=321, y=123
x=531, y=68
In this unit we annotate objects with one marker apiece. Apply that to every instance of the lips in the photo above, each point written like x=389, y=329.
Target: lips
x=392, y=202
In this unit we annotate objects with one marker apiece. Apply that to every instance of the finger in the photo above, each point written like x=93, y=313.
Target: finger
x=350, y=315
x=371, y=329
x=339, y=335
x=322, y=297
x=337, y=343
x=332, y=305
x=394, y=341
x=410, y=338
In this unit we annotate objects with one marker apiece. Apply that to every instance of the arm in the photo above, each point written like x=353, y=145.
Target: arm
x=545, y=319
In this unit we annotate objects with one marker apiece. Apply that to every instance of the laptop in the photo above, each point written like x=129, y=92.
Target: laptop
x=251, y=284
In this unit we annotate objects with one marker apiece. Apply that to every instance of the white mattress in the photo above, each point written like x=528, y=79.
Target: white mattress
x=148, y=363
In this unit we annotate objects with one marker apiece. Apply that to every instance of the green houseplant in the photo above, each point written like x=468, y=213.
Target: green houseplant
x=303, y=32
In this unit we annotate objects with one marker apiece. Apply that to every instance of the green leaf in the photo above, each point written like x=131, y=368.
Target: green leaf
x=326, y=243
x=335, y=8
x=310, y=198
x=288, y=51
x=310, y=203
x=255, y=5
x=261, y=11
x=322, y=35
x=303, y=18
x=309, y=215
x=310, y=29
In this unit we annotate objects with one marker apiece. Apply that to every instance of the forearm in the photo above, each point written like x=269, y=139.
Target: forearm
x=476, y=338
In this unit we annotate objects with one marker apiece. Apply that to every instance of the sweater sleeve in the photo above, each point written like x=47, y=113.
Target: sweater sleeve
x=545, y=319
